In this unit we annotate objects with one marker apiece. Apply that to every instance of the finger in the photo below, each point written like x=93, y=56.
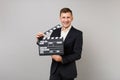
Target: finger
x=40, y=34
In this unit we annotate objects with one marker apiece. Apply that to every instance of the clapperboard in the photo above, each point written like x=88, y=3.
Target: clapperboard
x=51, y=45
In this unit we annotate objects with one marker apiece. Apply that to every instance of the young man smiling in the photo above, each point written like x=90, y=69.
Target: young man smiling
x=63, y=67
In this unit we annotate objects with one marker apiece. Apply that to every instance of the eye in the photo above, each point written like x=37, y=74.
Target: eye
x=63, y=17
x=68, y=17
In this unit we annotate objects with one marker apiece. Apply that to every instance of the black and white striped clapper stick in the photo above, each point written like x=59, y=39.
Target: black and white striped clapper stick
x=51, y=30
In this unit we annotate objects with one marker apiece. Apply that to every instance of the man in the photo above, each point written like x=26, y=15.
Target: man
x=63, y=67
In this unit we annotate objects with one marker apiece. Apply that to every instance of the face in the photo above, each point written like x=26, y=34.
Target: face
x=66, y=19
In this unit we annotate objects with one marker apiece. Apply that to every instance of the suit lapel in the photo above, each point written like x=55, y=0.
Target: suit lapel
x=69, y=34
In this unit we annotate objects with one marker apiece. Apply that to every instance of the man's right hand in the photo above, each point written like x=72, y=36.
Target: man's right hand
x=39, y=35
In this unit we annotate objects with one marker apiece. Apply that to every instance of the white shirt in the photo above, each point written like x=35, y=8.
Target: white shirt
x=65, y=32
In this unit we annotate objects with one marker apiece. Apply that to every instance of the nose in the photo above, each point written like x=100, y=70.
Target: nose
x=66, y=19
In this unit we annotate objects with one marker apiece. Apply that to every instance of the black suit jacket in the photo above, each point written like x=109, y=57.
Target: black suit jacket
x=72, y=52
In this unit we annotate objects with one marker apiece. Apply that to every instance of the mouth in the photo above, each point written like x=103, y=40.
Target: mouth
x=66, y=23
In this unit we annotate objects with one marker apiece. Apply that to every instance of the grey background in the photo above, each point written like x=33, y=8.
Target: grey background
x=20, y=20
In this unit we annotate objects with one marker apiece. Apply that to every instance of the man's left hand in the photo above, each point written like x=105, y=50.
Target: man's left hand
x=57, y=58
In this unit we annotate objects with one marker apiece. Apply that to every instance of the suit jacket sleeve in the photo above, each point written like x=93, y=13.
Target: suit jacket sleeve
x=74, y=51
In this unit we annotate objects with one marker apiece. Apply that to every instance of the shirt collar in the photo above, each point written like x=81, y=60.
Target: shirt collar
x=68, y=28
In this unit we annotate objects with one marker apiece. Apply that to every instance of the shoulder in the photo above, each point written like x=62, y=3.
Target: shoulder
x=76, y=31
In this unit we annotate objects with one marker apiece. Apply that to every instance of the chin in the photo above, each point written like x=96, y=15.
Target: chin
x=66, y=26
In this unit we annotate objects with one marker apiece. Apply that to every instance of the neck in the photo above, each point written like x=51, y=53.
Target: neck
x=65, y=28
